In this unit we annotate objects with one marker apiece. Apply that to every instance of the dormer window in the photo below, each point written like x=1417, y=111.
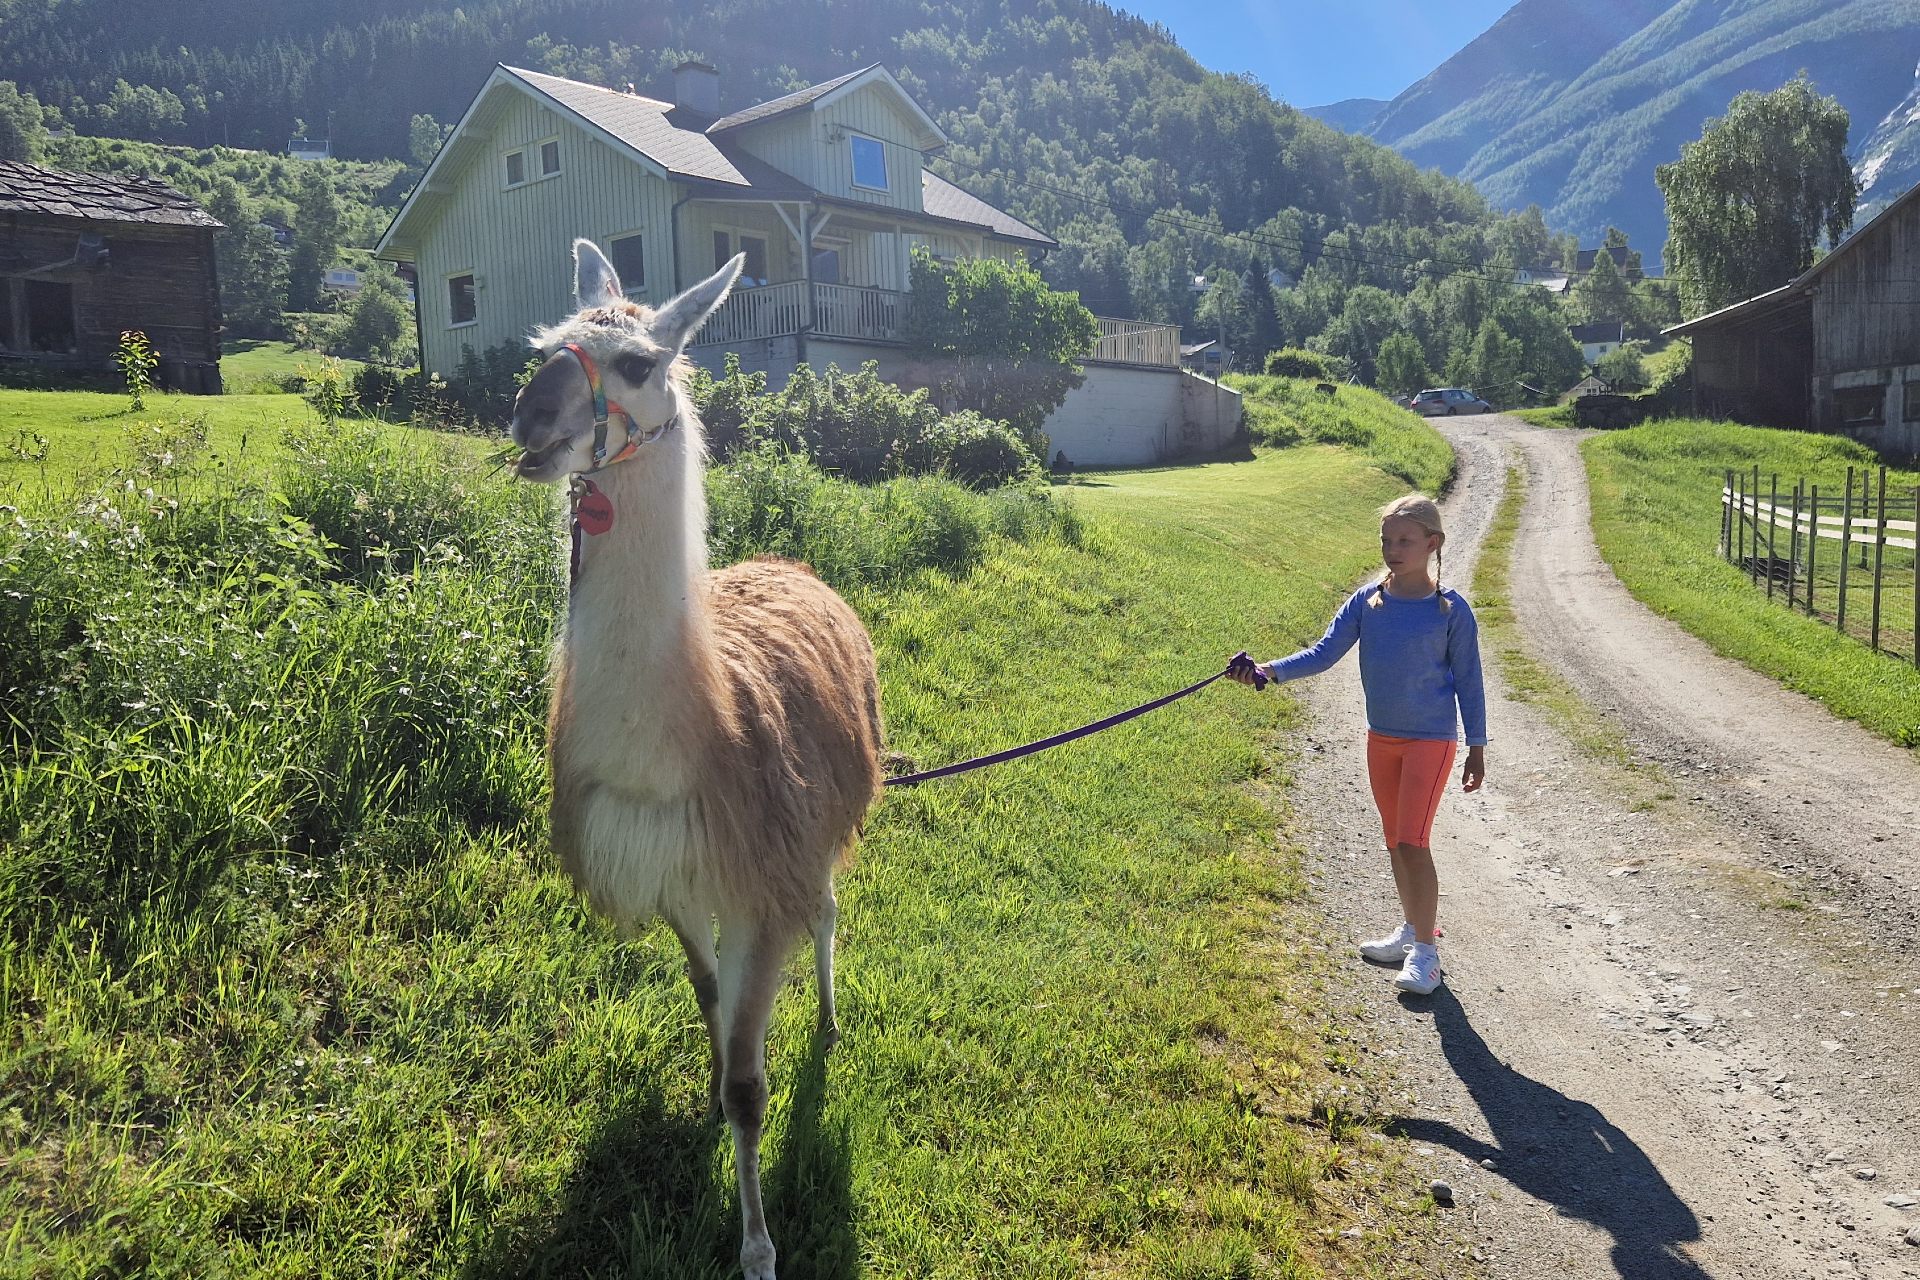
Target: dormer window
x=869, y=163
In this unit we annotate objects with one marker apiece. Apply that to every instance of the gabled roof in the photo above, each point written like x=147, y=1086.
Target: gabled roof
x=816, y=96
x=1583, y=263
x=96, y=197
x=941, y=199
x=684, y=146
x=1599, y=331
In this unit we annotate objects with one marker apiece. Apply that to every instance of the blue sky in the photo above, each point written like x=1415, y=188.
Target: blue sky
x=1310, y=52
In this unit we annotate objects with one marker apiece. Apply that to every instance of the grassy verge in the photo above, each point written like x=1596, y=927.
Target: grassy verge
x=288, y=986
x=1556, y=415
x=258, y=366
x=1656, y=516
x=1289, y=411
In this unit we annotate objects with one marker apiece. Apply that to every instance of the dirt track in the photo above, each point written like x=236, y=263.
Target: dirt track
x=1673, y=1069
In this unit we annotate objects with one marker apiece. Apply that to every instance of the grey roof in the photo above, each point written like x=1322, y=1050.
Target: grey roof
x=665, y=135
x=941, y=199
x=1599, y=331
x=781, y=106
x=96, y=197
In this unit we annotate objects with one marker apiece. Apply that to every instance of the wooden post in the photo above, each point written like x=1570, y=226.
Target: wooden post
x=1916, y=575
x=1753, y=495
x=1740, y=520
x=1727, y=511
x=1846, y=544
x=1813, y=546
x=1773, y=504
x=1879, y=556
x=1793, y=548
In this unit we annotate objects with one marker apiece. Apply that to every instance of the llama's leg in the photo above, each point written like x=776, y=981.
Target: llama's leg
x=750, y=956
x=703, y=971
x=823, y=928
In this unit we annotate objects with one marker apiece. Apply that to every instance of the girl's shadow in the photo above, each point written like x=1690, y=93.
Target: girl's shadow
x=651, y=1194
x=1563, y=1152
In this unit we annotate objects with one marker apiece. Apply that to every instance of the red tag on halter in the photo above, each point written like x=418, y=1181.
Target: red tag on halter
x=594, y=511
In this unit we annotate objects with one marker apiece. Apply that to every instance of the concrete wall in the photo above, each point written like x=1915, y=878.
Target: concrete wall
x=1127, y=417
x=1897, y=434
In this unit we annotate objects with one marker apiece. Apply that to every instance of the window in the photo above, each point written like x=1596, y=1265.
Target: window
x=550, y=158
x=826, y=264
x=1911, y=410
x=462, y=306
x=516, y=168
x=1861, y=406
x=869, y=163
x=629, y=257
x=10, y=338
x=728, y=243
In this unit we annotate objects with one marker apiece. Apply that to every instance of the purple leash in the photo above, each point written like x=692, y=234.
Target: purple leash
x=1239, y=661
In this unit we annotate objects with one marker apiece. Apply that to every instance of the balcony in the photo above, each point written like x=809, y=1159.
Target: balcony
x=860, y=314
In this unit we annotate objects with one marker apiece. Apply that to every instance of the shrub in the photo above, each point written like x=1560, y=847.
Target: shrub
x=1286, y=411
x=1294, y=362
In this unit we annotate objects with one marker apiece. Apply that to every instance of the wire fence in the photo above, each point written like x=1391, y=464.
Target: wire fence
x=1866, y=586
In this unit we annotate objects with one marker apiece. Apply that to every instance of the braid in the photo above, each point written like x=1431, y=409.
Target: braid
x=1439, y=591
x=1380, y=591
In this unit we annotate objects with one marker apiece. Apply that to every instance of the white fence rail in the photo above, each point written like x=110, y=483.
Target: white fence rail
x=1136, y=342
x=780, y=310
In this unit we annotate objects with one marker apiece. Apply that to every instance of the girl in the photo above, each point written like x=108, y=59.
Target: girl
x=1419, y=657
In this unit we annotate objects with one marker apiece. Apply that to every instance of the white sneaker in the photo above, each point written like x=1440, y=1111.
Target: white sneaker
x=1389, y=949
x=1420, y=971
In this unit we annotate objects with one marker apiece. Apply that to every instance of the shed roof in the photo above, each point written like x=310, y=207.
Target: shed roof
x=96, y=197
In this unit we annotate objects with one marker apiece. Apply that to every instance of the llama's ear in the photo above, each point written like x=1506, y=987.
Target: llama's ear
x=595, y=283
x=676, y=322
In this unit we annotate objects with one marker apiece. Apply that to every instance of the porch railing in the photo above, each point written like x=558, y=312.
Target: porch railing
x=780, y=310
x=1136, y=342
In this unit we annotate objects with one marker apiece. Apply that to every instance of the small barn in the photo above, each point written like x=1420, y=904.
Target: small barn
x=87, y=256
x=1837, y=349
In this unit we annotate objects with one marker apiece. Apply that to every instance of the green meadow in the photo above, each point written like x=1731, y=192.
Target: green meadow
x=290, y=987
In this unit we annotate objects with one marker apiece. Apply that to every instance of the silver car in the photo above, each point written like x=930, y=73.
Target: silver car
x=1438, y=401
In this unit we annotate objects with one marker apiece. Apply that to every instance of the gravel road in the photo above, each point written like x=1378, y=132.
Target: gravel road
x=1682, y=1016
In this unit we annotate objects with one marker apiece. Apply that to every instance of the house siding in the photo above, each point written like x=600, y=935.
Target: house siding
x=518, y=242
x=812, y=146
x=1866, y=332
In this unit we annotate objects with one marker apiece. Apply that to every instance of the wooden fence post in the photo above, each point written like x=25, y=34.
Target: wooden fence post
x=1916, y=575
x=1773, y=503
x=1879, y=556
x=1793, y=548
x=1813, y=546
x=1846, y=546
x=1726, y=510
x=1753, y=495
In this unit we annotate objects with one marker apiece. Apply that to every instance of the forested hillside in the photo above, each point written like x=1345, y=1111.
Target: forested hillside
x=1569, y=104
x=1088, y=122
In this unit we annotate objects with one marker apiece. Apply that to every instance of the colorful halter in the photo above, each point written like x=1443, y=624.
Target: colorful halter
x=604, y=410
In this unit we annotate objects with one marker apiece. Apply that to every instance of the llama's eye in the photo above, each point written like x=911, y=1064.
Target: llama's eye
x=635, y=369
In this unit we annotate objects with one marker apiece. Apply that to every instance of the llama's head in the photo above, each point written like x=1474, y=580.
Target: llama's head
x=629, y=347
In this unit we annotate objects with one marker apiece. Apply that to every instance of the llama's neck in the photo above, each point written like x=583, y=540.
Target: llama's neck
x=640, y=673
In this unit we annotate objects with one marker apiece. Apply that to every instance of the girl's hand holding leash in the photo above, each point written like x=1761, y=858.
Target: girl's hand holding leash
x=1475, y=770
x=1244, y=669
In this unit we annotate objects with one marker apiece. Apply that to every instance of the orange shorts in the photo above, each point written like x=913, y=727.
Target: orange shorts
x=1408, y=777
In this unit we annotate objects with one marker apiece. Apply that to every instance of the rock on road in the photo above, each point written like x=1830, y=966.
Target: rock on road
x=1682, y=1011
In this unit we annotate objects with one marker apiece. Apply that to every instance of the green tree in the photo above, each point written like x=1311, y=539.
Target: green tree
x=1005, y=344
x=21, y=129
x=252, y=270
x=1356, y=334
x=379, y=321
x=1604, y=293
x=424, y=136
x=1401, y=367
x=1625, y=364
x=1749, y=199
x=1263, y=318
x=317, y=229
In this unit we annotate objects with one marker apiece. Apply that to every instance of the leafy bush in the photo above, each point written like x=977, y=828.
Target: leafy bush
x=1293, y=362
x=857, y=425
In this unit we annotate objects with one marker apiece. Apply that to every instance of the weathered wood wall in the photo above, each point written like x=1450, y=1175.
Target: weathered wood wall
x=1866, y=306
x=158, y=279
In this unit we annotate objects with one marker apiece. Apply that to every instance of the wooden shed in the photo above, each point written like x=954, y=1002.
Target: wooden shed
x=87, y=256
x=1837, y=349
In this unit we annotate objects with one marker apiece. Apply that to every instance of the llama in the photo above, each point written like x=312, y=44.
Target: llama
x=714, y=735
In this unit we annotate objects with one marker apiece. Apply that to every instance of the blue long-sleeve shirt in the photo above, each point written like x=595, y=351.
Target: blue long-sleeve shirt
x=1416, y=662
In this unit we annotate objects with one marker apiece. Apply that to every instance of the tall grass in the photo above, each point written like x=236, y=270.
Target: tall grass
x=1656, y=515
x=1288, y=411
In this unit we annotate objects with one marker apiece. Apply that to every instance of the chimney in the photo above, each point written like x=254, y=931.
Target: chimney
x=696, y=86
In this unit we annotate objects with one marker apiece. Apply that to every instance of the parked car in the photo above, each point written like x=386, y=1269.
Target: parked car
x=1437, y=401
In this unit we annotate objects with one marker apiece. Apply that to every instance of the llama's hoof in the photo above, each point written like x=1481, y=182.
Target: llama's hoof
x=828, y=1033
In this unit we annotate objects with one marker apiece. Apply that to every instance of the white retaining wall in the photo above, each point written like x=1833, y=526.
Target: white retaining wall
x=1132, y=417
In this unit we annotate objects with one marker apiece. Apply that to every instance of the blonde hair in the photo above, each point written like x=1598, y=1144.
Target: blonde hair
x=1425, y=512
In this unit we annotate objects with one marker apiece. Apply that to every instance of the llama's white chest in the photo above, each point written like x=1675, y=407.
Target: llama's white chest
x=638, y=859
